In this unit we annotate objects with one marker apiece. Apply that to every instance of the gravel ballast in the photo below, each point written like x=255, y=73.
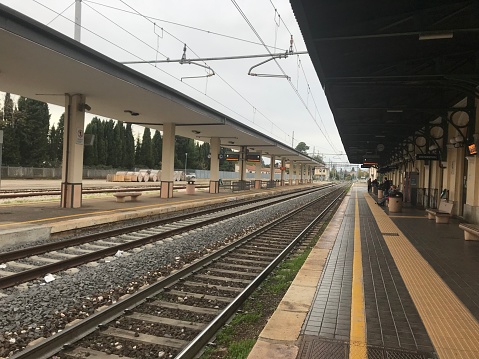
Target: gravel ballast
x=43, y=309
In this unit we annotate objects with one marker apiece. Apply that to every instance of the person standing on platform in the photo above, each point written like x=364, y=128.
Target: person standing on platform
x=369, y=184
x=386, y=186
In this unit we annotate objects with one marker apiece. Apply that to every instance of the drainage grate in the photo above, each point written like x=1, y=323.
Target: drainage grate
x=313, y=347
x=390, y=234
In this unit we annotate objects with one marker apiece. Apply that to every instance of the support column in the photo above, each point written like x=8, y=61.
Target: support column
x=257, y=175
x=243, y=163
x=73, y=141
x=168, y=160
x=471, y=207
x=301, y=169
x=283, y=161
x=291, y=172
x=215, y=146
x=271, y=171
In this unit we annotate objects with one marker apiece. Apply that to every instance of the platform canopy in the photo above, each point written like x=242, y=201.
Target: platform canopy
x=43, y=64
x=389, y=68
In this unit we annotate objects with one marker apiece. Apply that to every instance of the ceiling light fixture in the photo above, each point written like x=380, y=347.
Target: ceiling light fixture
x=133, y=113
x=394, y=111
x=436, y=36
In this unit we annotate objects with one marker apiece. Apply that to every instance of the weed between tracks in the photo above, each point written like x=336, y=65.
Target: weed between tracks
x=236, y=340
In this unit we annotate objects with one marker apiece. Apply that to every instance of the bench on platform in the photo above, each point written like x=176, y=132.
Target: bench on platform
x=120, y=196
x=442, y=214
x=471, y=231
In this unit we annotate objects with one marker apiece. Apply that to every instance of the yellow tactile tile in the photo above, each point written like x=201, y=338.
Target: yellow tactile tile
x=452, y=329
x=358, y=316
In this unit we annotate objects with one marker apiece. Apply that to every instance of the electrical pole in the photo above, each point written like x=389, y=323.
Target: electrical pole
x=78, y=20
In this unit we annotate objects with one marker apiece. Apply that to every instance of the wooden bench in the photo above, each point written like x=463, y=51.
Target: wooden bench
x=442, y=214
x=471, y=231
x=120, y=196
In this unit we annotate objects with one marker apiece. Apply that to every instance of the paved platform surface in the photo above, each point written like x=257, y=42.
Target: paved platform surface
x=380, y=285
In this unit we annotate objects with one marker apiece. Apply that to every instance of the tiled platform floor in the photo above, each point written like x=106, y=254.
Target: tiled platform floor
x=419, y=297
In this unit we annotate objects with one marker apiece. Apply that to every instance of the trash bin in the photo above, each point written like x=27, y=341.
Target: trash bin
x=380, y=193
x=395, y=203
x=190, y=188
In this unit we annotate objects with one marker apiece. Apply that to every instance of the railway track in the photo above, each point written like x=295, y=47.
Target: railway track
x=37, y=261
x=179, y=314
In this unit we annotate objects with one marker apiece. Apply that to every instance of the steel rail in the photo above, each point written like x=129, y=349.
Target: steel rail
x=44, y=248
x=202, y=339
x=35, y=273
x=66, y=337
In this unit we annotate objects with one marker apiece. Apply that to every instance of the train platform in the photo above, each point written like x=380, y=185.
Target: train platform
x=380, y=285
x=41, y=218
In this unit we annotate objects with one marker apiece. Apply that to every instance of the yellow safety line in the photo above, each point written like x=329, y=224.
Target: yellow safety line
x=358, y=348
x=453, y=330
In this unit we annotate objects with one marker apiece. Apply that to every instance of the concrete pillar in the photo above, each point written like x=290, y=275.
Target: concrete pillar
x=168, y=160
x=215, y=147
x=271, y=168
x=73, y=143
x=243, y=163
x=456, y=173
x=295, y=179
x=301, y=173
x=257, y=174
x=283, y=163
x=471, y=208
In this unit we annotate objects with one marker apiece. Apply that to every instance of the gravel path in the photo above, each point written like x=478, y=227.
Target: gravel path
x=44, y=309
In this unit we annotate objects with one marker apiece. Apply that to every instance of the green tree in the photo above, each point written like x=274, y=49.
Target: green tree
x=129, y=148
x=157, y=149
x=203, y=150
x=117, y=145
x=11, y=147
x=33, y=125
x=138, y=159
x=146, y=155
x=318, y=158
x=302, y=147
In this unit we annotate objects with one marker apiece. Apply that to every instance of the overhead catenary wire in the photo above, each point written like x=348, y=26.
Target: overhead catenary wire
x=304, y=74
x=183, y=25
x=61, y=13
x=170, y=75
x=281, y=69
x=273, y=124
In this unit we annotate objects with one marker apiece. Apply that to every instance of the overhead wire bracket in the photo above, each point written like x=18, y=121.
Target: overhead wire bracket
x=189, y=62
x=279, y=56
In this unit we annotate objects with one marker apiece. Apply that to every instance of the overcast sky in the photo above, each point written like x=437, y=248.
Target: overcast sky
x=143, y=30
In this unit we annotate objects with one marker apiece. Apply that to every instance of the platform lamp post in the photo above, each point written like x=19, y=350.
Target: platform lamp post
x=186, y=161
x=1, y=147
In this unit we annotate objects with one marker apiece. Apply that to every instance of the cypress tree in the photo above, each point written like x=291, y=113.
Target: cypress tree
x=33, y=128
x=129, y=148
x=157, y=149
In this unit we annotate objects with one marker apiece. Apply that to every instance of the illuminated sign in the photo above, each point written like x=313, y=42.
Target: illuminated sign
x=472, y=149
x=232, y=157
x=253, y=157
